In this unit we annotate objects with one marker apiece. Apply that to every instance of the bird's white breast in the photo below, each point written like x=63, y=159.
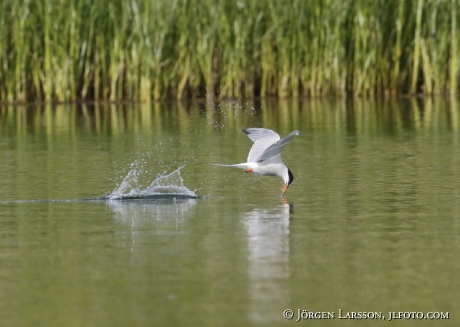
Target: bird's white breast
x=274, y=169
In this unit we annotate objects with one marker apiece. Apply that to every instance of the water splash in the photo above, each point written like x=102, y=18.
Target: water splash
x=164, y=186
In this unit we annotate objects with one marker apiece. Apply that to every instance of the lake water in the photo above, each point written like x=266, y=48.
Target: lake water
x=113, y=215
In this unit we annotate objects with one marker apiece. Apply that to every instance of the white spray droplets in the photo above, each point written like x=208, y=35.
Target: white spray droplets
x=165, y=185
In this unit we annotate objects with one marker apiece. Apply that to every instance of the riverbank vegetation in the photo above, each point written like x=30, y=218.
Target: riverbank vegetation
x=67, y=50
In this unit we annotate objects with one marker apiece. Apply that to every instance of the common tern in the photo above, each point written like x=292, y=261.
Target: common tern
x=265, y=155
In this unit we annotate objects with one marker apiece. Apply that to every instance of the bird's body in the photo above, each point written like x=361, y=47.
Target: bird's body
x=265, y=155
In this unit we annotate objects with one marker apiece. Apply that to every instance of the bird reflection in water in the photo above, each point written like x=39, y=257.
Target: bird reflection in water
x=268, y=270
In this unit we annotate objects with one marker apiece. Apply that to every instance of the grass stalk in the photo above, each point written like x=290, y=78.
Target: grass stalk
x=415, y=67
x=454, y=50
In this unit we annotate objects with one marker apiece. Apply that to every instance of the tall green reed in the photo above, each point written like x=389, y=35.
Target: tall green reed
x=67, y=50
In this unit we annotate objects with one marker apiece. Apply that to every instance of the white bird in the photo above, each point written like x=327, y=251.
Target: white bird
x=265, y=155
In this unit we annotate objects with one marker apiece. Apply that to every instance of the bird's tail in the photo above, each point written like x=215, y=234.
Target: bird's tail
x=241, y=165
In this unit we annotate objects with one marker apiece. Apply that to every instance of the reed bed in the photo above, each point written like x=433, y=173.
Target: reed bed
x=67, y=50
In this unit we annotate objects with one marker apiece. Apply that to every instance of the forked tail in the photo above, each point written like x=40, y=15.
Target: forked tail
x=240, y=165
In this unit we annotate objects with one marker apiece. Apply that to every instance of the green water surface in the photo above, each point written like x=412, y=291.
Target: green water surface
x=370, y=224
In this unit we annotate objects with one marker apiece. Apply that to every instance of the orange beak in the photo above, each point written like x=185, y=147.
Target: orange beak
x=285, y=187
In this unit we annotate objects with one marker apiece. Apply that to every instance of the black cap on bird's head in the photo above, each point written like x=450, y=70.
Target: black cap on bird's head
x=286, y=184
x=291, y=177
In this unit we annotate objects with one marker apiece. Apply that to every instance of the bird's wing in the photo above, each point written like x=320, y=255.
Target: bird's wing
x=263, y=138
x=272, y=154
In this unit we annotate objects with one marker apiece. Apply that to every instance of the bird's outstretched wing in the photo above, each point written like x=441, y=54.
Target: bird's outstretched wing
x=267, y=145
x=273, y=153
x=263, y=138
